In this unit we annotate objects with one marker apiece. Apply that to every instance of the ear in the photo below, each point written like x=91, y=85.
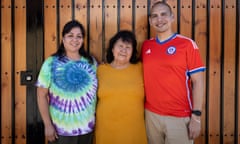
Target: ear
x=150, y=20
x=172, y=17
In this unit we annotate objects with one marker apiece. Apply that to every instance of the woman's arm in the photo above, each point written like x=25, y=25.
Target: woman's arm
x=43, y=105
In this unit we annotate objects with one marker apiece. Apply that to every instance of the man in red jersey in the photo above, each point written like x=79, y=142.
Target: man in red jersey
x=174, y=82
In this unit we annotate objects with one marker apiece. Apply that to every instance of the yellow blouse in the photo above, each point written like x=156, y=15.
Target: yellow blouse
x=120, y=107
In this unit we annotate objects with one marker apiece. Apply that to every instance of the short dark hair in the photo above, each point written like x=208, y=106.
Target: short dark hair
x=66, y=29
x=163, y=3
x=125, y=36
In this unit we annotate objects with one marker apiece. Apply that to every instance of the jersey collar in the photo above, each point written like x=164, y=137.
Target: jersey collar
x=168, y=39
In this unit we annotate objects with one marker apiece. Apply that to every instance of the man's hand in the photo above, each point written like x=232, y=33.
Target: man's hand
x=194, y=127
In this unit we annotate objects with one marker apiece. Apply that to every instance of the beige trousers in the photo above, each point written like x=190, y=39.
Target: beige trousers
x=166, y=129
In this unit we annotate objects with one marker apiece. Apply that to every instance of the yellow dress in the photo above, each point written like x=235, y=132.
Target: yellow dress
x=120, y=107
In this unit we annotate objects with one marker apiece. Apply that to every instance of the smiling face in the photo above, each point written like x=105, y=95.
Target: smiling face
x=73, y=40
x=161, y=18
x=122, y=51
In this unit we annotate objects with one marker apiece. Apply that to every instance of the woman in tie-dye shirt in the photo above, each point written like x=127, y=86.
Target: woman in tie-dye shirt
x=66, y=90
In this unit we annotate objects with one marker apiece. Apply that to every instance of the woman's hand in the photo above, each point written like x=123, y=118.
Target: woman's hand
x=50, y=133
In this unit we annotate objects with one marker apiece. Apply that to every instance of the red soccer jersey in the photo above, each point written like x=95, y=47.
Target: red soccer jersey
x=167, y=68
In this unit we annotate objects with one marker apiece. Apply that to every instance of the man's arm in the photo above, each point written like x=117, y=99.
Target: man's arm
x=197, y=80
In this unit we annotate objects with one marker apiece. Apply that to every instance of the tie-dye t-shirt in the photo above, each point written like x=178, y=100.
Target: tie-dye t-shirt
x=72, y=94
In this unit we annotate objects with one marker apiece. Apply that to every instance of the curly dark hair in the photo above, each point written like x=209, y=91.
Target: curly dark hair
x=125, y=36
x=66, y=29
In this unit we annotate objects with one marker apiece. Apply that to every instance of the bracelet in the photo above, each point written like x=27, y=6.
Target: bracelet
x=198, y=121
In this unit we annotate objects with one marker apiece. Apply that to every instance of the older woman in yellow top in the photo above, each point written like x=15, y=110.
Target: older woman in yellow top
x=120, y=107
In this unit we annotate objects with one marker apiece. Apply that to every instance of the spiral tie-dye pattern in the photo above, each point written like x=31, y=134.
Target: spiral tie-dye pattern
x=72, y=94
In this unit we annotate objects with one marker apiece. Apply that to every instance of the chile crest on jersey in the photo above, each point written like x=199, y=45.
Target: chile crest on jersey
x=171, y=50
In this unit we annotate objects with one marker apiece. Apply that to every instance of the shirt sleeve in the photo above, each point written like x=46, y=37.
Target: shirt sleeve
x=194, y=61
x=44, y=77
